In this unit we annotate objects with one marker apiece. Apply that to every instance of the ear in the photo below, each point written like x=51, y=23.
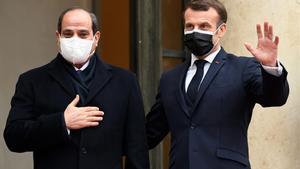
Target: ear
x=57, y=40
x=97, y=38
x=57, y=36
x=222, y=30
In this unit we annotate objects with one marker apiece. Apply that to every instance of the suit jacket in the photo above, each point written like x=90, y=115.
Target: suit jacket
x=36, y=122
x=212, y=134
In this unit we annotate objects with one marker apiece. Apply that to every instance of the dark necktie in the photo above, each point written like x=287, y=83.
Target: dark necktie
x=80, y=74
x=82, y=88
x=193, y=88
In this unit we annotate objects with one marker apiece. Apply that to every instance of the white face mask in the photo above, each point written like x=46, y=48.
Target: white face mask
x=76, y=50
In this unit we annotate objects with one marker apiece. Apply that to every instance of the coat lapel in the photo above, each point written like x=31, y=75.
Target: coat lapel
x=180, y=91
x=101, y=78
x=212, y=72
x=58, y=71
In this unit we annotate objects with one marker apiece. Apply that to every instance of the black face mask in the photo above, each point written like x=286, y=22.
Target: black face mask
x=198, y=43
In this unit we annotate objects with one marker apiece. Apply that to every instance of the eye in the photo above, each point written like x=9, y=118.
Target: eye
x=204, y=26
x=83, y=34
x=68, y=34
x=188, y=27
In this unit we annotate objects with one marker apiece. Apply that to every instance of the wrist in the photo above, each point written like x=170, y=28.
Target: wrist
x=270, y=64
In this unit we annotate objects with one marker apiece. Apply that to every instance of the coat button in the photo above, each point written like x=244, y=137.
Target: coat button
x=83, y=150
x=193, y=125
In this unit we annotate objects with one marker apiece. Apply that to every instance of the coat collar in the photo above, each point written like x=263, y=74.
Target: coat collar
x=57, y=70
x=101, y=78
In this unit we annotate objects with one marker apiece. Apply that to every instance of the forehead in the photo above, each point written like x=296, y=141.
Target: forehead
x=196, y=17
x=77, y=19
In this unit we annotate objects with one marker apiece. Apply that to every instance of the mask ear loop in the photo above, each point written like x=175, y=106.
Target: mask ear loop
x=217, y=39
x=95, y=48
x=218, y=28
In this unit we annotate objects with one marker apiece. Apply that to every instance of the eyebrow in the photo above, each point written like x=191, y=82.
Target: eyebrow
x=67, y=31
x=80, y=30
x=83, y=30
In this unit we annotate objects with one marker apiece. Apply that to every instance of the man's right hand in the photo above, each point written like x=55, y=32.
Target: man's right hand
x=81, y=117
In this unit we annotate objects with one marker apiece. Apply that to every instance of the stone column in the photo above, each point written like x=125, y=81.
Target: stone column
x=149, y=59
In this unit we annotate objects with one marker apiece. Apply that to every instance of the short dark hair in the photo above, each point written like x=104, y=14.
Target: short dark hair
x=204, y=5
x=92, y=15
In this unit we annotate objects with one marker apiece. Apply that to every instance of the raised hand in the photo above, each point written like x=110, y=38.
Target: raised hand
x=267, y=48
x=81, y=117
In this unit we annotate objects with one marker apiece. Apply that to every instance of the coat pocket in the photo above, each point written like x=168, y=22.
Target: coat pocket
x=232, y=155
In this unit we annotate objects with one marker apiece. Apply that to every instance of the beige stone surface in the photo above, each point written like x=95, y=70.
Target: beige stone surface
x=274, y=133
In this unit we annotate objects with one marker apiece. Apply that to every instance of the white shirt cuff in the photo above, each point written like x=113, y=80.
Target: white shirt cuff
x=275, y=71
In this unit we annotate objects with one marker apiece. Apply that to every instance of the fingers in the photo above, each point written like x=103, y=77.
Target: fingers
x=87, y=121
x=95, y=113
x=89, y=108
x=276, y=41
x=91, y=124
x=75, y=101
x=268, y=31
x=82, y=117
x=94, y=119
x=270, y=35
x=258, y=30
x=94, y=116
x=250, y=48
x=91, y=121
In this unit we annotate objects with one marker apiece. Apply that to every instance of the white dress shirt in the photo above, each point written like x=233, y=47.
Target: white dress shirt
x=83, y=67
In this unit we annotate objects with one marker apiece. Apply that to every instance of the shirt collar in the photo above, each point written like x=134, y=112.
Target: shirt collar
x=83, y=67
x=208, y=58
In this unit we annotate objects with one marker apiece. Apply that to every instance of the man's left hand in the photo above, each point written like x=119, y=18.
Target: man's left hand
x=266, y=50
